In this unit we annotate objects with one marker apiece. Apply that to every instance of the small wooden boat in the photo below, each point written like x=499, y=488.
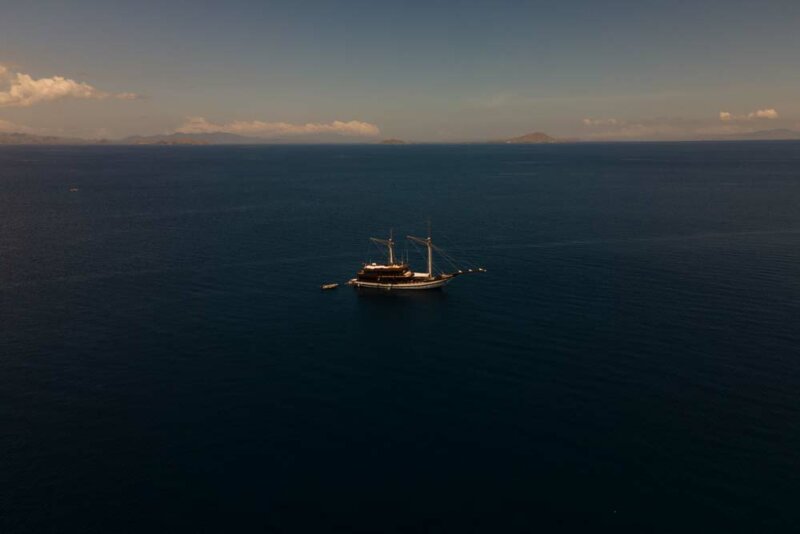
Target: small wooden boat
x=329, y=286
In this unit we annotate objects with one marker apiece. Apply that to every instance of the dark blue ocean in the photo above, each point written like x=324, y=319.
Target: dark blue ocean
x=629, y=362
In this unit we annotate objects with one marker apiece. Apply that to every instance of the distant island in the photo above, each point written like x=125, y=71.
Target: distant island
x=780, y=134
x=18, y=138
x=535, y=138
x=165, y=140
x=223, y=138
x=174, y=139
x=217, y=138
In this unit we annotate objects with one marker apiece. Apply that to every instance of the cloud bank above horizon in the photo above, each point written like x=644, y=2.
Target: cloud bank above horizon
x=12, y=127
x=258, y=128
x=677, y=128
x=768, y=113
x=20, y=91
x=23, y=90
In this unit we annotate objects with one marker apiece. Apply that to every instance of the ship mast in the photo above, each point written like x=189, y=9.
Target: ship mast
x=428, y=243
x=389, y=243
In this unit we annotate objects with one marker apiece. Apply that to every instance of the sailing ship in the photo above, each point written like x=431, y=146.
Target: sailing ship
x=395, y=275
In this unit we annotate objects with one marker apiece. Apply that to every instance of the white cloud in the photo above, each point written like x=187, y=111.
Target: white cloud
x=600, y=122
x=651, y=129
x=128, y=96
x=769, y=113
x=276, y=129
x=10, y=127
x=23, y=90
x=659, y=129
x=763, y=114
x=679, y=128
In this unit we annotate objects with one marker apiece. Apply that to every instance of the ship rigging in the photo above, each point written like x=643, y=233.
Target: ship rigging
x=395, y=275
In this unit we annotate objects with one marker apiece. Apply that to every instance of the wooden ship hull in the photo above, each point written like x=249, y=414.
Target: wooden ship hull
x=412, y=285
x=398, y=276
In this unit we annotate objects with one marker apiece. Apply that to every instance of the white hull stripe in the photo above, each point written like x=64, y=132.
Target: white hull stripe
x=400, y=287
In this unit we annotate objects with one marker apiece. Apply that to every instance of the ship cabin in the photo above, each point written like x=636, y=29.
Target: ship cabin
x=393, y=273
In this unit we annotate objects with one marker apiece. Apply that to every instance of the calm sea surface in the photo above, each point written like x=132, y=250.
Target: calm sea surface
x=630, y=360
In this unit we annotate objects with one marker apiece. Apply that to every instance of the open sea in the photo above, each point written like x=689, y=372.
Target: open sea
x=629, y=362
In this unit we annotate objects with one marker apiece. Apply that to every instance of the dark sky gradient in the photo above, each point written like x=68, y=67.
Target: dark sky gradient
x=426, y=70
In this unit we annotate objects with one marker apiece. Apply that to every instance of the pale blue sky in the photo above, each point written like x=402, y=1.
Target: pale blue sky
x=431, y=70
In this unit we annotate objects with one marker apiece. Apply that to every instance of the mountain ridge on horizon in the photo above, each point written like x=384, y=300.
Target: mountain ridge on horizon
x=225, y=138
